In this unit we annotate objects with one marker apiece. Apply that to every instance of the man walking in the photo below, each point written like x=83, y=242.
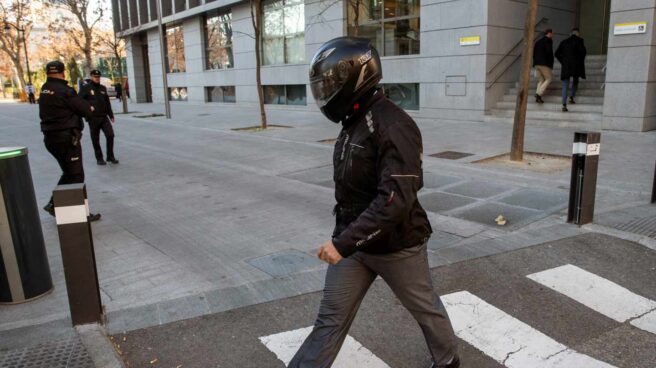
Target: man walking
x=543, y=61
x=102, y=117
x=29, y=88
x=571, y=54
x=61, y=111
x=381, y=228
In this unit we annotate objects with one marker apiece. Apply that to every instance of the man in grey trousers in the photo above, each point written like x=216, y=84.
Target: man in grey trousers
x=381, y=228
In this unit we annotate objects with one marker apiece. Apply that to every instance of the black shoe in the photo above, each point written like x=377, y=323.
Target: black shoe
x=565, y=108
x=94, y=217
x=571, y=100
x=112, y=161
x=538, y=99
x=455, y=363
x=50, y=208
x=101, y=162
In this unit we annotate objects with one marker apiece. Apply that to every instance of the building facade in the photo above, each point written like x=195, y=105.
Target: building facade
x=443, y=59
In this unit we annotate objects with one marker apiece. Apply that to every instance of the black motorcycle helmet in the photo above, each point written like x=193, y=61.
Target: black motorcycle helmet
x=343, y=70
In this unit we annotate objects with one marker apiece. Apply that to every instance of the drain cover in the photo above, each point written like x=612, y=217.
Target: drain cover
x=66, y=353
x=451, y=155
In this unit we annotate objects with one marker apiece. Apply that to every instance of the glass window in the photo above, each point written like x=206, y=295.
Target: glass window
x=294, y=94
x=404, y=95
x=178, y=94
x=175, y=50
x=218, y=41
x=283, y=32
x=391, y=25
x=221, y=94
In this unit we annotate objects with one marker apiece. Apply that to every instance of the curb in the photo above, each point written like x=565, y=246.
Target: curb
x=100, y=349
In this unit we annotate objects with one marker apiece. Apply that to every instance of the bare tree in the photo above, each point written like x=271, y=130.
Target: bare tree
x=257, y=19
x=84, y=36
x=15, y=29
x=118, y=49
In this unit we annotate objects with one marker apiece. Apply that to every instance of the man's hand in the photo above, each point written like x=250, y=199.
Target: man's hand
x=92, y=109
x=112, y=119
x=328, y=253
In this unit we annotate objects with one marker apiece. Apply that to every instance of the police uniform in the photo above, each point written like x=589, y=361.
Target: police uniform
x=96, y=95
x=61, y=111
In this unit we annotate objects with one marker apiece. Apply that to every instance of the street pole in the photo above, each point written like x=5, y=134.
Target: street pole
x=517, y=145
x=167, y=104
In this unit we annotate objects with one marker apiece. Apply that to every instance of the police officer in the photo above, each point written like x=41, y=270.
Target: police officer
x=102, y=117
x=61, y=111
x=381, y=229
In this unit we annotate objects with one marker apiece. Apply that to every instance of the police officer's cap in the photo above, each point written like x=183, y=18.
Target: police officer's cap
x=54, y=67
x=95, y=73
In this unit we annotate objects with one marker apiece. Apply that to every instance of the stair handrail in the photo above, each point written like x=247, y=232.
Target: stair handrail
x=516, y=57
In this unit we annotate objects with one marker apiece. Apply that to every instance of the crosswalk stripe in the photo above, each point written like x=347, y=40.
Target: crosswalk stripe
x=352, y=354
x=600, y=294
x=508, y=340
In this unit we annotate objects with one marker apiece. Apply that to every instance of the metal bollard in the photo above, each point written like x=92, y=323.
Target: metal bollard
x=585, y=160
x=653, y=189
x=78, y=256
x=24, y=268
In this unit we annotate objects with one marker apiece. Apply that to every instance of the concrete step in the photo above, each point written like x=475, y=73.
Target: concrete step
x=552, y=106
x=593, y=57
x=551, y=115
x=558, y=85
x=556, y=91
x=588, y=125
x=589, y=78
x=556, y=99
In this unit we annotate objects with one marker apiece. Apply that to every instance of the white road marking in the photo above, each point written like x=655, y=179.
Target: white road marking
x=508, y=340
x=352, y=354
x=601, y=295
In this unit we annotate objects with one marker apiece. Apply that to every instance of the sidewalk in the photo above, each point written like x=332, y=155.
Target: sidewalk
x=198, y=218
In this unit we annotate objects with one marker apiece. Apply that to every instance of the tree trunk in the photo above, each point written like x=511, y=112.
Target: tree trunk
x=256, y=18
x=517, y=145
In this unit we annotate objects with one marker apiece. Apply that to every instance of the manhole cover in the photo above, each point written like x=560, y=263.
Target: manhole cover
x=66, y=353
x=451, y=155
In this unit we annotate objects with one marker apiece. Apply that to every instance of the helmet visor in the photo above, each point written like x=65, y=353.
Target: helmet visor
x=325, y=87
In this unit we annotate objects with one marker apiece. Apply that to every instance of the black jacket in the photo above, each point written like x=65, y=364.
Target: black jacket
x=571, y=54
x=96, y=95
x=378, y=172
x=543, y=52
x=60, y=107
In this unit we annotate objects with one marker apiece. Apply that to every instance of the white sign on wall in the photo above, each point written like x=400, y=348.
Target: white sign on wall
x=630, y=28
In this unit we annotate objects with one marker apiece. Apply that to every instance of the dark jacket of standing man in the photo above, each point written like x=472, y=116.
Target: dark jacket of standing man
x=571, y=55
x=61, y=111
x=102, y=117
x=543, y=61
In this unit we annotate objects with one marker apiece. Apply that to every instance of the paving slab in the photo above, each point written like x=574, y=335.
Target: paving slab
x=537, y=199
x=479, y=189
x=285, y=262
x=434, y=181
x=441, y=202
x=487, y=212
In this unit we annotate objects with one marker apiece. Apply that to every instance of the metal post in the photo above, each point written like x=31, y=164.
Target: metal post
x=653, y=189
x=78, y=256
x=167, y=104
x=585, y=160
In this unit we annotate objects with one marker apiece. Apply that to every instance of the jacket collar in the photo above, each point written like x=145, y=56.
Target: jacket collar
x=57, y=80
x=362, y=106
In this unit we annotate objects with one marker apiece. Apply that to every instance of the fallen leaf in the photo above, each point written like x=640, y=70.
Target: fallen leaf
x=500, y=220
x=153, y=361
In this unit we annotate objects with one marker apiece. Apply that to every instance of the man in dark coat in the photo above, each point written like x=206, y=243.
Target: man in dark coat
x=543, y=61
x=571, y=54
x=102, y=118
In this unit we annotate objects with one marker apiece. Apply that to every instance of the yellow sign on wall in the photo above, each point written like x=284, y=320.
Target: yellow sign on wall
x=470, y=41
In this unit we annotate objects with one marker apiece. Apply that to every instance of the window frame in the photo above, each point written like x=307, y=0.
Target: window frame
x=177, y=50
x=206, y=48
x=286, y=94
x=284, y=37
x=208, y=94
x=381, y=22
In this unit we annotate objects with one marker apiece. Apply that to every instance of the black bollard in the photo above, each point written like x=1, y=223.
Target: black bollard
x=78, y=256
x=583, y=187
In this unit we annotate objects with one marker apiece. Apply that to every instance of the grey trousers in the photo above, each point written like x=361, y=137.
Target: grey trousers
x=407, y=274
